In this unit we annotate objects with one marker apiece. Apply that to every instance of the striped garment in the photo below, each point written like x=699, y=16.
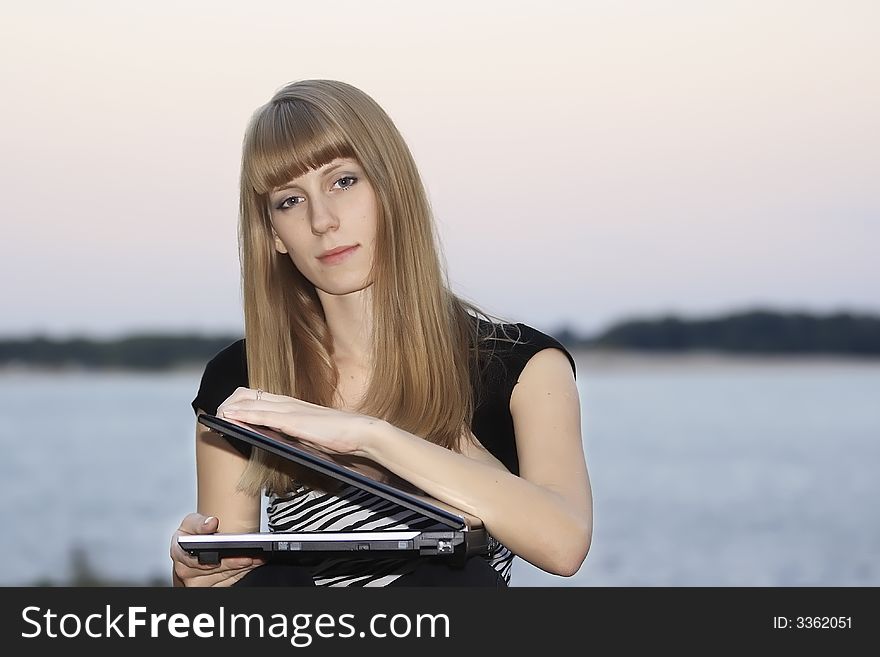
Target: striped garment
x=351, y=509
x=304, y=509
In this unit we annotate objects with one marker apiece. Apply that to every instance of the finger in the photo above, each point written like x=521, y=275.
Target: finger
x=272, y=419
x=287, y=407
x=227, y=565
x=188, y=561
x=237, y=395
x=196, y=523
x=250, y=394
x=232, y=580
x=232, y=576
x=190, y=565
x=208, y=526
x=234, y=563
x=267, y=400
x=219, y=578
x=254, y=405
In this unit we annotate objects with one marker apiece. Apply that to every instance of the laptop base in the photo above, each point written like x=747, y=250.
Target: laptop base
x=454, y=546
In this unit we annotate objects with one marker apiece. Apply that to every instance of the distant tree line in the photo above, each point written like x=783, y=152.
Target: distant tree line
x=140, y=352
x=83, y=573
x=752, y=332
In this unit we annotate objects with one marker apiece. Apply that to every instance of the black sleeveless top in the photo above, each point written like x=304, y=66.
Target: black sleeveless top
x=492, y=423
x=349, y=509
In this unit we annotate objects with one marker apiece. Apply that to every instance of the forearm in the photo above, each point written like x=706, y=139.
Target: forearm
x=510, y=506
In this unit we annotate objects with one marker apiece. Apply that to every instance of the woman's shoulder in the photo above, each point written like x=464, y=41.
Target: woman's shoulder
x=231, y=357
x=224, y=372
x=514, y=343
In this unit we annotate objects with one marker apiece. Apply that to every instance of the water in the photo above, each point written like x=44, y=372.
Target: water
x=704, y=472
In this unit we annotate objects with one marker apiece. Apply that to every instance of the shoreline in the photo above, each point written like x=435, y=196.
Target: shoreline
x=626, y=359
x=600, y=359
x=82, y=369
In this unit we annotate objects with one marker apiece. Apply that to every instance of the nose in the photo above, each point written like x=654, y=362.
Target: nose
x=322, y=216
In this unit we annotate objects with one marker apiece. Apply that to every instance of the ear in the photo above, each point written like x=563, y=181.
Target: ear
x=279, y=245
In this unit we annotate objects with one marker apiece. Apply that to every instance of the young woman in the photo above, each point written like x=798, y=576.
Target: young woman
x=364, y=352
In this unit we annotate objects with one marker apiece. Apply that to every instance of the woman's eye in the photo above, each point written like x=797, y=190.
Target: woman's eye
x=352, y=178
x=284, y=204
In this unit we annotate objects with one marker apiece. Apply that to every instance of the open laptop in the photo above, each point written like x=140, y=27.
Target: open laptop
x=463, y=535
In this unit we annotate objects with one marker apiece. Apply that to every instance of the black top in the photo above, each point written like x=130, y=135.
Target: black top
x=492, y=423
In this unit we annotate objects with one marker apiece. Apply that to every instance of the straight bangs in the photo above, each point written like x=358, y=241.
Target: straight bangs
x=287, y=138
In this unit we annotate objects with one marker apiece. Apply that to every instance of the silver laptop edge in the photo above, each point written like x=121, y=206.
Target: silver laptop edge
x=220, y=539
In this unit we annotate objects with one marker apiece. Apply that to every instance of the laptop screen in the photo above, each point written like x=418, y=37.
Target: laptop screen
x=359, y=472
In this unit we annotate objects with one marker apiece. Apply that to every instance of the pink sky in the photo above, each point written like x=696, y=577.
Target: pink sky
x=584, y=163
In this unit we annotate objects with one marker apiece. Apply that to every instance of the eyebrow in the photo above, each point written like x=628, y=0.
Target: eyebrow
x=327, y=168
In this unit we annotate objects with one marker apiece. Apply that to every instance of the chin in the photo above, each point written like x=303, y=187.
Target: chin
x=340, y=289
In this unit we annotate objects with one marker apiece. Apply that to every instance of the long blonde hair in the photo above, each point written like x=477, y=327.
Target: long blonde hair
x=427, y=346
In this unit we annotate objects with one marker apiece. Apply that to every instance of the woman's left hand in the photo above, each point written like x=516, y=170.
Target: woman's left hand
x=328, y=429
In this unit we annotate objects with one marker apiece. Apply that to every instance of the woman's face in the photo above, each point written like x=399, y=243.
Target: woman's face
x=334, y=206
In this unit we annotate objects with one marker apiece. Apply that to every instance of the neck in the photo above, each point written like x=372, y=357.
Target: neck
x=350, y=321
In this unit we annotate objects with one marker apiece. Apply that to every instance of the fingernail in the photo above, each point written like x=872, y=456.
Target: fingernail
x=208, y=519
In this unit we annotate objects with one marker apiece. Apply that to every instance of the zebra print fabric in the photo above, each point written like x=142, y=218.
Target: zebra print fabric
x=352, y=509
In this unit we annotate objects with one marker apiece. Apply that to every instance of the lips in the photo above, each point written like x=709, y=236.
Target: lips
x=338, y=255
x=335, y=251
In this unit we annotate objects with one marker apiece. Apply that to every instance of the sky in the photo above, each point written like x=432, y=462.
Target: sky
x=586, y=161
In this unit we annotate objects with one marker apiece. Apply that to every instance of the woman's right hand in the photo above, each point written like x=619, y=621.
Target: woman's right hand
x=187, y=569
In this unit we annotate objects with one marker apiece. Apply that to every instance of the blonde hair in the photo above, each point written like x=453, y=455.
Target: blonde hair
x=427, y=346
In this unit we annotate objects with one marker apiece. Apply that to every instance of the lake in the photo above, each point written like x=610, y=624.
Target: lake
x=706, y=471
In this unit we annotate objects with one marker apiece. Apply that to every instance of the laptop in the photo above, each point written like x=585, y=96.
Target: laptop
x=461, y=537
